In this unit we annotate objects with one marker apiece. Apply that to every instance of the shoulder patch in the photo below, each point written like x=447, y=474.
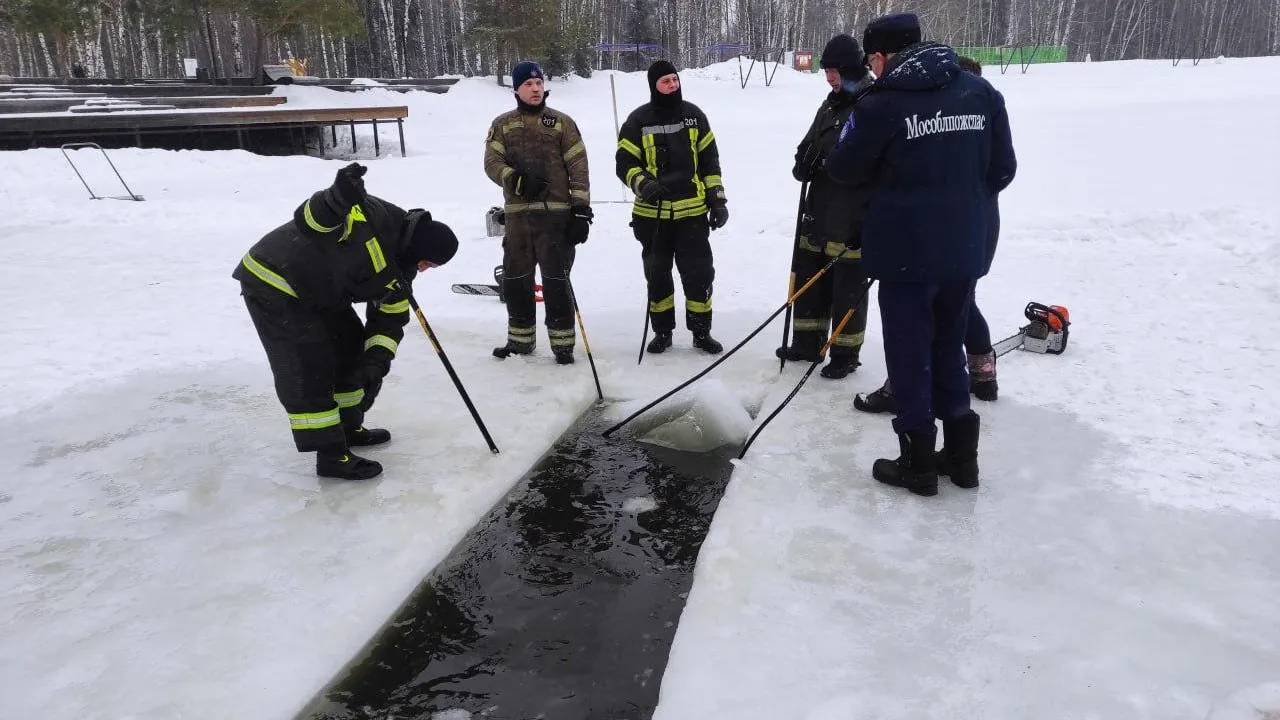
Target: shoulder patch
x=549, y=120
x=848, y=125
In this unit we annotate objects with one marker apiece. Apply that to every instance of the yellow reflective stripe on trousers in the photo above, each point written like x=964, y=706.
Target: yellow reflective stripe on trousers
x=381, y=341
x=394, y=308
x=311, y=220
x=262, y=273
x=850, y=340
x=663, y=305
x=375, y=254
x=561, y=338
x=348, y=399
x=315, y=420
x=810, y=324
x=697, y=307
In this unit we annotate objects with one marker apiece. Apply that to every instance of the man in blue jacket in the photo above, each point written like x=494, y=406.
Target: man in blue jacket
x=935, y=146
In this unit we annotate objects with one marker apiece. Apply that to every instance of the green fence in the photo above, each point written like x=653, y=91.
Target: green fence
x=1015, y=54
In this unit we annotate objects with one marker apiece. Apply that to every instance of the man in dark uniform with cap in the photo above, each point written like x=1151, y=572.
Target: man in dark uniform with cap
x=299, y=282
x=668, y=156
x=935, y=145
x=831, y=225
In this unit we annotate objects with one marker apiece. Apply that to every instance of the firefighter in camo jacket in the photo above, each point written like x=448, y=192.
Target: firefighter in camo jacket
x=537, y=155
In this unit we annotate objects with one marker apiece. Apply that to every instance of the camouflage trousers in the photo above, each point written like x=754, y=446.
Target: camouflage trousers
x=536, y=241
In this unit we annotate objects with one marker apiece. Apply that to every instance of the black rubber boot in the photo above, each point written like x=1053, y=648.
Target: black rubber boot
x=564, y=357
x=707, y=344
x=512, y=348
x=982, y=376
x=798, y=354
x=914, y=469
x=880, y=401
x=341, y=464
x=364, y=437
x=958, y=458
x=660, y=342
x=840, y=366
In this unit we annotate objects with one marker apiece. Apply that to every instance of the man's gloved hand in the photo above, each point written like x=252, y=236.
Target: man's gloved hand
x=653, y=192
x=370, y=394
x=348, y=186
x=718, y=216
x=579, y=225
x=808, y=168
x=529, y=185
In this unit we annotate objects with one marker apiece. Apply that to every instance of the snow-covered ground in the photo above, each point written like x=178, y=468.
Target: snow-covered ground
x=164, y=552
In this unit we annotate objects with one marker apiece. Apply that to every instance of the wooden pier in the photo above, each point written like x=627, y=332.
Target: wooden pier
x=189, y=115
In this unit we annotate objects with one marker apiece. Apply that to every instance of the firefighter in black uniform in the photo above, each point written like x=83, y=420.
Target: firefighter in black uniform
x=831, y=225
x=299, y=282
x=667, y=155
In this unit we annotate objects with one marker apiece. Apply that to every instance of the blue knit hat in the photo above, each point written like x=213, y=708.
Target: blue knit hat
x=891, y=33
x=525, y=70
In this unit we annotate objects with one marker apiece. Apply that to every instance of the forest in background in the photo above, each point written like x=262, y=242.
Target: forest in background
x=140, y=39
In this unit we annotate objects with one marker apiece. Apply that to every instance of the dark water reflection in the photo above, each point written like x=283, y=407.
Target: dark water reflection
x=560, y=604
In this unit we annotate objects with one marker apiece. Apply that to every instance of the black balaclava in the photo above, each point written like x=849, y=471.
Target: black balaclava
x=657, y=70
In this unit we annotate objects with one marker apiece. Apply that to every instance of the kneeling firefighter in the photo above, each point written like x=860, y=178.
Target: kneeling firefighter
x=299, y=282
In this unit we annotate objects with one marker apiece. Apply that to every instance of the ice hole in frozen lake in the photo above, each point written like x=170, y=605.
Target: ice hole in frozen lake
x=708, y=417
x=563, y=601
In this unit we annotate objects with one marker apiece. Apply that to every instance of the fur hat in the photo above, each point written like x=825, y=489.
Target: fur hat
x=843, y=53
x=891, y=33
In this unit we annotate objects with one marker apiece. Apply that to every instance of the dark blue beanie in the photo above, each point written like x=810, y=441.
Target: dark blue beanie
x=523, y=71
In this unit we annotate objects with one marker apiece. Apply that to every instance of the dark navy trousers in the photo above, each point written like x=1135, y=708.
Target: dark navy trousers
x=924, y=331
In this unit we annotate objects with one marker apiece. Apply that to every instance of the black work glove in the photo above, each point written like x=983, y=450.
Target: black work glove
x=529, y=186
x=653, y=192
x=370, y=394
x=579, y=225
x=718, y=216
x=807, y=167
x=348, y=186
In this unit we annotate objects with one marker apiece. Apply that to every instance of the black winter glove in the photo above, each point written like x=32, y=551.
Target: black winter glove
x=370, y=394
x=807, y=167
x=579, y=225
x=529, y=185
x=718, y=217
x=348, y=186
x=653, y=192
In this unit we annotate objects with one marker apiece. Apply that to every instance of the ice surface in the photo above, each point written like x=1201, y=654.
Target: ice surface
x=1261, y=702
x=167, y=554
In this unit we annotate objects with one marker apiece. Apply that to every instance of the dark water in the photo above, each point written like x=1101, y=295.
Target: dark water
x=559, y=604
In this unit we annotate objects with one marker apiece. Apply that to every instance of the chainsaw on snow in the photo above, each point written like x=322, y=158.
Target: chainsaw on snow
x=1046, y=331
